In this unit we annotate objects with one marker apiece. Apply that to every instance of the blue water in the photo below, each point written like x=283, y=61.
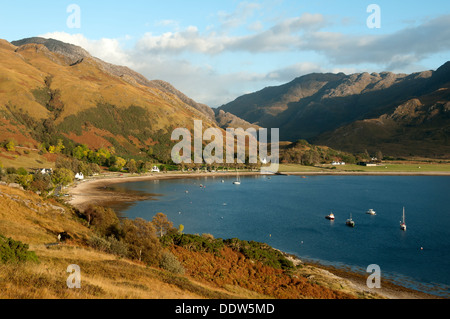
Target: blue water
x=288, y=213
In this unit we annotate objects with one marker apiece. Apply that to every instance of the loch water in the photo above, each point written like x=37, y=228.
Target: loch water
x=288, y=213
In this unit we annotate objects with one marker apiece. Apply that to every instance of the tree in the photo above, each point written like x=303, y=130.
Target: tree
x=379, y=156
x=41, y=183
x=102, y=219
x=142, y=242
x=120, y=163
x=59, y=146
x=131, y=166
x=62, y=176
x=103, y=156
x=162, y=224
x=80, y=152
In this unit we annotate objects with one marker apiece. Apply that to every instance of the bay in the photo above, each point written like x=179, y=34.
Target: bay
x=288, y=213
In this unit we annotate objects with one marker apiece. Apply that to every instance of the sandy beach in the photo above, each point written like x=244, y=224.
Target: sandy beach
x=96, y=191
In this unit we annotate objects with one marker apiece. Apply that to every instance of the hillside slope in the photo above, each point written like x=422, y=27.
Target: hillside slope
x=50, y=89
x=317, y=104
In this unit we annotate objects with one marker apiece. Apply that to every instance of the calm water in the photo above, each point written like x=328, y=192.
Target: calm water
x=288, y=213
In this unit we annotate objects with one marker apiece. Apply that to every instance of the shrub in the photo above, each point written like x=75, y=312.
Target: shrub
x=170, y=263
x=260, y=252
x=117, y=247
x=194, y=242
x=15, y=251
x=22, y=171
x=99, y=243
x=109, y=245
x=11, y=146
x=11, y=170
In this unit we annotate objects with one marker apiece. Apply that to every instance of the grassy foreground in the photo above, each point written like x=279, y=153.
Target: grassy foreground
x=234, y=269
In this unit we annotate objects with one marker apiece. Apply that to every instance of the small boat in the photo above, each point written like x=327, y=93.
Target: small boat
x=371, y=212
x=238, y=181
x=330, y=217
x=403, y=223
x=350, y=222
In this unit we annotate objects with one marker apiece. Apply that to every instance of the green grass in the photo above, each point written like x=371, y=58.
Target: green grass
x=294, y=168
x=398, y=168
x=385, y=167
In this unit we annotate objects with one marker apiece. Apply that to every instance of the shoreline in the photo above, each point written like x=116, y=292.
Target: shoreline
x=95, y=191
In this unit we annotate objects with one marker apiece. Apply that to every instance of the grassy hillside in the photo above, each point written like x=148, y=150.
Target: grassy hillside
x=45, y=96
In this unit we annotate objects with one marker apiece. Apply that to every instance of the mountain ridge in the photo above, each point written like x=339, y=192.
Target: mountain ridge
x=51, y=90
x=317, y=105
x=76, y=54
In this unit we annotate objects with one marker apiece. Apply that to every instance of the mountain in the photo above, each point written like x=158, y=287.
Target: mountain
x=50, y=89
x=228, y=120
x=358, y=111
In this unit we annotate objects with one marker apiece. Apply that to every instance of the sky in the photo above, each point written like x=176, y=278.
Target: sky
x=216, y=50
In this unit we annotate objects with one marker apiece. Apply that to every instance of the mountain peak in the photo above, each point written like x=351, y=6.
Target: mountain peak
x=72, y=52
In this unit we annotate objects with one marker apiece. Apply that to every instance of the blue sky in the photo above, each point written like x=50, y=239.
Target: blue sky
x=214, y=51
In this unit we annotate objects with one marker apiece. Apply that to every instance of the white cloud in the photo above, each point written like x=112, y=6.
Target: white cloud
x=109, y=50
x=403, y=47
x=281, y=37
x=291, y=72
x=239, y=17
x=186, y=56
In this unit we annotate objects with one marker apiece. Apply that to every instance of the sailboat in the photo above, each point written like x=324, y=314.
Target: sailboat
x=403, y=223
x=238, y=181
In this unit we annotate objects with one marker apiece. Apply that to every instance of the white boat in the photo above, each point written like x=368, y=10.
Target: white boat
x=403, y=223
x=330, y=217
x=371, y=212
x=238, y=181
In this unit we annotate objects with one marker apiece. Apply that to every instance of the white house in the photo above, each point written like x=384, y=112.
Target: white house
x=79, y=176
x=46, y=171
x=338, y=163
x=155, y=169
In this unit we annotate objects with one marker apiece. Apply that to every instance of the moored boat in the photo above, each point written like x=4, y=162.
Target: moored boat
x=403, y=223
x=350, y=222
x=371, y=212
x=330, y=216
x=238, y=181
